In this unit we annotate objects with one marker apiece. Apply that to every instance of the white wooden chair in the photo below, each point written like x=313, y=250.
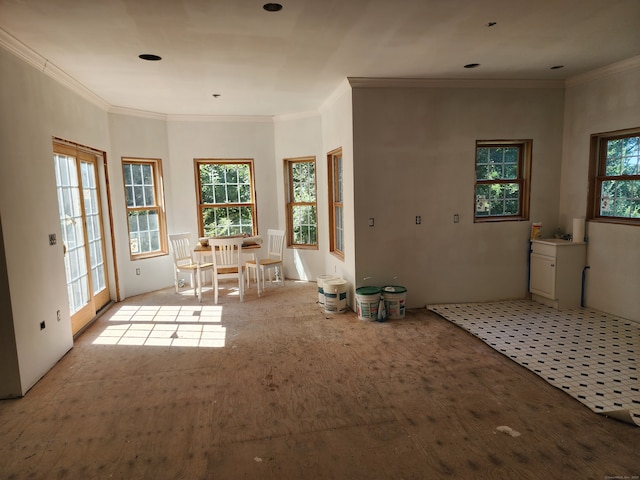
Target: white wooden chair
x=227, y=263
x=183, y=262
x=273, y=259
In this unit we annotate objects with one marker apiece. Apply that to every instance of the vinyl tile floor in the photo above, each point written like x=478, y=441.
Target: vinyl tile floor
x=590, y=355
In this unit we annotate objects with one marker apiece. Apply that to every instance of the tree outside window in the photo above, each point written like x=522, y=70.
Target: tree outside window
x=302, y=218
x=615, y=178
x=502, y=180
x=336, y=207
x=226, y=198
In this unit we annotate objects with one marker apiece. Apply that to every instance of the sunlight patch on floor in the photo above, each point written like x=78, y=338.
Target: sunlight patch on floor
x=165, y=326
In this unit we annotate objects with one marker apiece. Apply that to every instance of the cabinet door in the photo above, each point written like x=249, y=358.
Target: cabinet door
x=543, y=276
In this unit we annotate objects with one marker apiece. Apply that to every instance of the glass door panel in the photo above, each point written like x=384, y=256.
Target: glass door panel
x=81, y=225
x=72, y=224
x=94, y=230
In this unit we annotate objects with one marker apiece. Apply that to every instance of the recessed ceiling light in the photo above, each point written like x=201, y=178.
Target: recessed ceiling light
x=557, y=67
x=472, y=65
x=272, y=7
x=149, y=56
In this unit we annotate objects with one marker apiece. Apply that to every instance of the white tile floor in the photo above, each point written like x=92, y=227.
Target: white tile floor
x=592, y=356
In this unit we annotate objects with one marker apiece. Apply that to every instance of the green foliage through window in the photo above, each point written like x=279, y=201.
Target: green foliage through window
x=226, y=198
x=500, y=180
x=619, y=182
x=301, y=202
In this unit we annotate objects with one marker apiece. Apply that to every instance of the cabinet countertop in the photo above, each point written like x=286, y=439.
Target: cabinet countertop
x=556, y=241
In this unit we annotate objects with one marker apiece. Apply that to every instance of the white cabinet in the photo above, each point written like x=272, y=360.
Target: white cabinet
x=556, y=267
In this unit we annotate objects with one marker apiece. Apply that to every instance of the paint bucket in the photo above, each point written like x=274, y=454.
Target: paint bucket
x=320, y=280
x=335, y=295
x=367, y=299
x=394, y=299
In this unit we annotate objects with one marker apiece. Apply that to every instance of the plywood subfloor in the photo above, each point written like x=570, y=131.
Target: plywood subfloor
x=280, y=390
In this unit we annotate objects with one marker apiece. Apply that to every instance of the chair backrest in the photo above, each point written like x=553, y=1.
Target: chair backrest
x=181, y=248
x=226, y=254
x=275, y=243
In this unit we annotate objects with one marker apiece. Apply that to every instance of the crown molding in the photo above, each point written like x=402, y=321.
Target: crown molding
x=29, y=56
x=296, y=116
x=132, y=112
x=221, y=118
x=366, y=82
x=608, y=70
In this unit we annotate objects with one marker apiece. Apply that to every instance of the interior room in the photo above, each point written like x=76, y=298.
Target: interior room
x=403, y=94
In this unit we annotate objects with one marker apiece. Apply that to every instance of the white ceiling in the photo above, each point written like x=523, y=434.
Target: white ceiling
x=289, y=62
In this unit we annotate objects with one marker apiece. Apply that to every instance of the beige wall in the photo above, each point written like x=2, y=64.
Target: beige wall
x=302, y=137
x=33, y=109
x=605, y=100
x=136, y=137
x=414, y=151
x=337, y=131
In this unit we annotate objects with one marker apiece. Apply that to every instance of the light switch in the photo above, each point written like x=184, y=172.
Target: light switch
x=371, y=222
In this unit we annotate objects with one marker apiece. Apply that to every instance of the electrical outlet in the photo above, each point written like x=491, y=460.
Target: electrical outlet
x=52, y=239
x=58, y=315
x=418, y=219
x=137, y=271
x=42, y=325
x=456, y=218
x=371, y=222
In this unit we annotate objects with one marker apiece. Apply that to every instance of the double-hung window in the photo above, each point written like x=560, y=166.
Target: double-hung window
x=502, y=180
x=302, y=216
x=336, y=207
x=145, y=207
x=226, y=197
x=614, y=193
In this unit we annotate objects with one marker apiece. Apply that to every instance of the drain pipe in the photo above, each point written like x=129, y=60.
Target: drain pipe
x=584, y=274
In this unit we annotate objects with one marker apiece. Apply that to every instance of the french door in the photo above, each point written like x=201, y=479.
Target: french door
x=82, y=232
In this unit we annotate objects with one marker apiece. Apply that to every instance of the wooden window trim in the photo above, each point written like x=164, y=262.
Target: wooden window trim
x=333, y=204
x=158, y=186
x=290, y=204
x=597, y=174
x=525, y=148
x=199, y=202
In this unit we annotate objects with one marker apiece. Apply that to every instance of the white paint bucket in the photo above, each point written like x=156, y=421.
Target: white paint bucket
x=394, y=300
x=367, y=300
x=335, y=295
x=320, y=281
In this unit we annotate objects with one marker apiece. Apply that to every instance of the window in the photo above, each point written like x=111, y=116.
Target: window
x=502, y=180
x=614, y=193
x=302, y=219
x=336, y=208
x=145, y=209
x=226, y=197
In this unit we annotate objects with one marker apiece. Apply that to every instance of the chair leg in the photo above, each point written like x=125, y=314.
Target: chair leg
x=176, y=280
x=215, y=288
